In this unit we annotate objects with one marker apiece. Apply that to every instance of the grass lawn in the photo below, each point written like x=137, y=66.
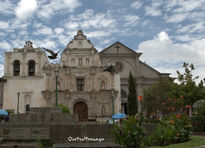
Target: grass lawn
x=194, y=142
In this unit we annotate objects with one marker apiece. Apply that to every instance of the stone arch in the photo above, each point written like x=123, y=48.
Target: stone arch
x=16, y=68
x=31, y=67
x=81, y=109
x=80, y=99
x=27, y=102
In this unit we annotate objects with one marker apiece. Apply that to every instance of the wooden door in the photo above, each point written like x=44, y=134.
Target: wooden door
x=82, y=109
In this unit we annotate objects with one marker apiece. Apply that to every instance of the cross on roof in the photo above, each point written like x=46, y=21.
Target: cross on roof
x=117, y=47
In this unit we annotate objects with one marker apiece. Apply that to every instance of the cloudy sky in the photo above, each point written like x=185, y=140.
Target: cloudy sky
x=167, y=32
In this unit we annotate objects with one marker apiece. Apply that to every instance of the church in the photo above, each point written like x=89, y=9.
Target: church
x=78, y=81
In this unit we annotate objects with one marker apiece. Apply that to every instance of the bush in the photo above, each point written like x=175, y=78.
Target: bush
x=173, y=129
x=64, y=108
x=198, y=123
x=130, y=133
x=182, y=127
x=164, y=134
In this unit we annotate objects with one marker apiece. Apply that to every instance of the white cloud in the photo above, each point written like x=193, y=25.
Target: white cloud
x=72, y=25
x=44, y=30
x=136, y=5
x=4, y=25
x=162, y=50
x=57, y=6
x=1, y=70
x=180, y=10
x=47, y=43
x=154, y=9
x=5, y=45
x=97, y=34
x=26, y=8
x=131, y=20
x=189, y=5
x=6, y=7
x=192, y=28
x=89, y=19
x=163, y=36
x=58, y=30
x=176, y=18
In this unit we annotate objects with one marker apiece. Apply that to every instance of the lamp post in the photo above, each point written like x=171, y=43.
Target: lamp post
x=56, y=74
x=113, y=109
x=18, y=95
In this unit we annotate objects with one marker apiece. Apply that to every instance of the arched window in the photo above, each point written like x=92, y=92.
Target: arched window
x=102, y=84
x=123, y=94
x=16, y=68
x=31, y=67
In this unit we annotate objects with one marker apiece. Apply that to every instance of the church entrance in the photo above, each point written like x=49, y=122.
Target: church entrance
x=82, y=109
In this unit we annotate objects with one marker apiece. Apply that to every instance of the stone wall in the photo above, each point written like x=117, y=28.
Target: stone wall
x=2, y=81
x=43, y=116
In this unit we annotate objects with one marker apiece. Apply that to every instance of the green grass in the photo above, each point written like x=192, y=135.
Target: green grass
x=194, y=142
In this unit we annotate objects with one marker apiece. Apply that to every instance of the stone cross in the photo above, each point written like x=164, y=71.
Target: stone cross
x=117, y=48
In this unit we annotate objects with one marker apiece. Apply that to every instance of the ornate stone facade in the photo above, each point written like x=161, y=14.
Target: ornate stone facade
x=82, y=84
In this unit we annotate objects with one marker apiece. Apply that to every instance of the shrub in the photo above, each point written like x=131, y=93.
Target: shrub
x=130, y=133
x=182, y=127
x=198, y=123
x=64, y=108
x=173, y=129
x=164, y=134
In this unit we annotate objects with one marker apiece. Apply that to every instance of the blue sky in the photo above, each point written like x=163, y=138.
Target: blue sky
x=167, y=32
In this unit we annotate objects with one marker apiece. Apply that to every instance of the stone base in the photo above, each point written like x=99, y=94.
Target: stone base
x=19, y=145
x=88, y=145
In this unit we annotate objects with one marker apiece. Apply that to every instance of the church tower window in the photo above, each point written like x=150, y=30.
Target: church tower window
x=16, y=68
x=80, y=84
x=31, y=67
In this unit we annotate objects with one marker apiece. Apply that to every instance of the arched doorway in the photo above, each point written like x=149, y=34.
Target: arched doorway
x=82, y=109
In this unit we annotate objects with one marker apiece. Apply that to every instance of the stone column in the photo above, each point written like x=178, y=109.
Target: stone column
x=39, y=63
x=23, y=64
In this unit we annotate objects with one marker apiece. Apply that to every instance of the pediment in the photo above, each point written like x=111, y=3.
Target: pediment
x=79, y=42
x=118, y=48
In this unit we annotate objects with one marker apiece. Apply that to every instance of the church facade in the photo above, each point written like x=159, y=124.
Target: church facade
x=83, y=86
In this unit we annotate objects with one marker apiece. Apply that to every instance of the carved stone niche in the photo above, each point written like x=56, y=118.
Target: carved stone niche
x=67, y=71
x=92, y=70
x=48, y=72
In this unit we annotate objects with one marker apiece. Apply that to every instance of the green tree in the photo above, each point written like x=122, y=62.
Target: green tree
x=156, y=96
x=132, y=96
x=188, y=88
